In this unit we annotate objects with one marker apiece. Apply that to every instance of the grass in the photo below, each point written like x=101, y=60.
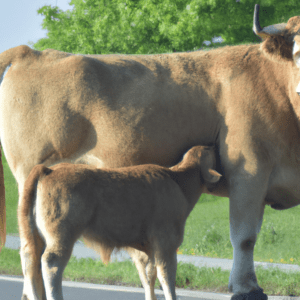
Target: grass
x=207, y=233
x=11, y=195
x=123, y=273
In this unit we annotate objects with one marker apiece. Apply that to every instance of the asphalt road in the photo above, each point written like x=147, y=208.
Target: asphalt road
x=11, y=288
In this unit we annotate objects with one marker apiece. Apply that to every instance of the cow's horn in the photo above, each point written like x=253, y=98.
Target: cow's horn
x=276, y=29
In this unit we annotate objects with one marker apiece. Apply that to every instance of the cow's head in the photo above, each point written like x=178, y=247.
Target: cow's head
x=281, y=41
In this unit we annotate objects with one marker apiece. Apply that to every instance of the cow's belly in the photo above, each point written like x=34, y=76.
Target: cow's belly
x=284, y=190
x=281, y=198
x=152, y=139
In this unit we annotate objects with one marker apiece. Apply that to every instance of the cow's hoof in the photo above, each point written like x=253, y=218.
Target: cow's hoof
x=254, y=295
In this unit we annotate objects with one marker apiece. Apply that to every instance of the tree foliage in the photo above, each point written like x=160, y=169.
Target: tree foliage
x=154, y=26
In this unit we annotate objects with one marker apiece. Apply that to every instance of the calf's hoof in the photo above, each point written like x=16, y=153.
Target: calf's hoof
x=254, y=295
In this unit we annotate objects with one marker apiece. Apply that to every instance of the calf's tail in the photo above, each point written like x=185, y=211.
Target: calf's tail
x=30, y=237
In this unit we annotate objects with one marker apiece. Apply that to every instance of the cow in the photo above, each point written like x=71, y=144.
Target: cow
x=143, y=207
x=124, y=110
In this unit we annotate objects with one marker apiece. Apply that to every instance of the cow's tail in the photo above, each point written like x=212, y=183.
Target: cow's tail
x=6, y=58
x=30, y=237
x=9, y=56
x=2, y=206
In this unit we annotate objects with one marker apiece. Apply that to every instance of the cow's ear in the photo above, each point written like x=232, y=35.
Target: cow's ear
x=296, y=50
x=277, y=44
x=278, y=48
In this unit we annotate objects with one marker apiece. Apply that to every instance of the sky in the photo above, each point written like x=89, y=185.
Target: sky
x=20, y=23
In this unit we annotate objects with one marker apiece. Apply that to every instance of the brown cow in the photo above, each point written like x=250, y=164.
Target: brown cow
x=122, y=110
x=143, y=207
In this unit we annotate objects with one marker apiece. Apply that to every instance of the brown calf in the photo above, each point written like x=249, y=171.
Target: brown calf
x=141, y=208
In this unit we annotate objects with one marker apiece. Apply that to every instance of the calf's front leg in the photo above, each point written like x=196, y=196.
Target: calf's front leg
x=166, y=264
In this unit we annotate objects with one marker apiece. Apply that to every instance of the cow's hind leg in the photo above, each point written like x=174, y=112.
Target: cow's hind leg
x=147, y=271
x=54, y=261
x=246, y=214
x=31, y=254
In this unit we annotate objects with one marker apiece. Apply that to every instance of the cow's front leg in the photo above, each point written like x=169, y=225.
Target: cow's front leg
x=246, y=214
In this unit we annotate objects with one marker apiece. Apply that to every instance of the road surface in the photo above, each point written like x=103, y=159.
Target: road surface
x=11, y=289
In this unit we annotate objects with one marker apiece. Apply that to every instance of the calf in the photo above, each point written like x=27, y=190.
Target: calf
x=141, y=208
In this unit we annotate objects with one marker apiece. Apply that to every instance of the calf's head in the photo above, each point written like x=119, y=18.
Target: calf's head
x=204, y=159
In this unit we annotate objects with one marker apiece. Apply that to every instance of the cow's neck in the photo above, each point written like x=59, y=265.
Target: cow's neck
x=281, y=105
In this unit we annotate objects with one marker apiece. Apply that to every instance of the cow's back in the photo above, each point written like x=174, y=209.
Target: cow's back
x=106, y=110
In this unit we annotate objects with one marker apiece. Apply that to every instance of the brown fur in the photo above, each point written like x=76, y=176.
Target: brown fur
x=278, y=48
x=293, y=26
x=143, y=207
x=31, y=242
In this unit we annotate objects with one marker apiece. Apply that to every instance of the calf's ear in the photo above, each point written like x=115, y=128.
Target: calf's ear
x=211, y=176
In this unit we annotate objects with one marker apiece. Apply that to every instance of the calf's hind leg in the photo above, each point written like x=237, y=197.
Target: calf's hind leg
x=147, y=271
x=54, y=261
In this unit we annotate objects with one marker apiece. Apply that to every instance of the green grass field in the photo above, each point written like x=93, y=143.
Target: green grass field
x=11, y=196
x=207, y=232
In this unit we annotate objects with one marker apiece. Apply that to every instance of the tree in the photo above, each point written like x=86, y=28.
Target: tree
x=154, y=26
